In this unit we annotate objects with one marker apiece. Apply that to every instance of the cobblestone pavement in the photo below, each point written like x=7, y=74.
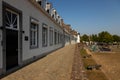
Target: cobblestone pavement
x=78, y=72
x=55, y=66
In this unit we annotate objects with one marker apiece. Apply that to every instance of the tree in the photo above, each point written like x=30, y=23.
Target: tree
x=94, y=38
x=105, y=37
x=116, y=38
x=85, y=37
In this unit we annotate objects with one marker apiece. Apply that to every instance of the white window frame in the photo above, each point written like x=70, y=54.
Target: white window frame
x=55, y=37
x=33, y=33
x=44, y=35
x=58, y=37
x=10, y=20
x=51, y=36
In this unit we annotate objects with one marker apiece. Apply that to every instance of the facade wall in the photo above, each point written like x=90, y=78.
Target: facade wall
x=67, y=39
x=28, y=10
x=73, y=42
x=78, y=38
x=0, y=35
x=73, y=39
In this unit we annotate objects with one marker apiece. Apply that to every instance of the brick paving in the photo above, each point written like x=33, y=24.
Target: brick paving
x=55, y=66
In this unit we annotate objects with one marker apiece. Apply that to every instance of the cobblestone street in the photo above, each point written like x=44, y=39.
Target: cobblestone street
x=55, y=66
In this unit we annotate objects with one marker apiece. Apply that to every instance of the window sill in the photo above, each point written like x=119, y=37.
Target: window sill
x=34, y=47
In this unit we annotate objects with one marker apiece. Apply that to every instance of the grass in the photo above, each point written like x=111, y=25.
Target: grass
x=96, y=75
x=83, y=52
x=110, y=63
x=88, y=62
x=91, y=74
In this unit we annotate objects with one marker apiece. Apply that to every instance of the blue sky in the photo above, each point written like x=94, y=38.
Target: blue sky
x=90, y=16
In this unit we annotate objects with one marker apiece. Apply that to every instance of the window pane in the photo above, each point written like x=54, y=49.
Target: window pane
x=14, y=20
x=51, y=36
x=11, y=19
x=34, y=35
x=44, y=36
x=8, y=19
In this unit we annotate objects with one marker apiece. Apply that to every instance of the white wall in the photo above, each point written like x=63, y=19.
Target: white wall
x=78, y=38
x=73, y=42
x=67, y=41
x=0, y=34
x=29, y=10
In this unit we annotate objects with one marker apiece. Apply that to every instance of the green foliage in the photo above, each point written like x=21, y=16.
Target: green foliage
x=116, y=38
x=83, y=52
x=85, y=37
x=105, y=37
x=94, y=38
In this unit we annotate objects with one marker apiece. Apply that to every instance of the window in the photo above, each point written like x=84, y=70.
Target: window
x=51, y=36
x=33, y=34
x=55, y=37
x=58, y=37
x=53, y=16
x=44, y=35
x=40, y=2
x=11, y=20
x=48, y=11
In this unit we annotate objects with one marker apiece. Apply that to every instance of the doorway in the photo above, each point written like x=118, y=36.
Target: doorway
x=11, y=49
x=11, y=22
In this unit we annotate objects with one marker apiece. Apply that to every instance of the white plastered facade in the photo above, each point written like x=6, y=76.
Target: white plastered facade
x=29, y=10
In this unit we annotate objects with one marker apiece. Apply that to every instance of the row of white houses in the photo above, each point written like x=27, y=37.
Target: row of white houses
x=29, y=29
x=47, y=6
